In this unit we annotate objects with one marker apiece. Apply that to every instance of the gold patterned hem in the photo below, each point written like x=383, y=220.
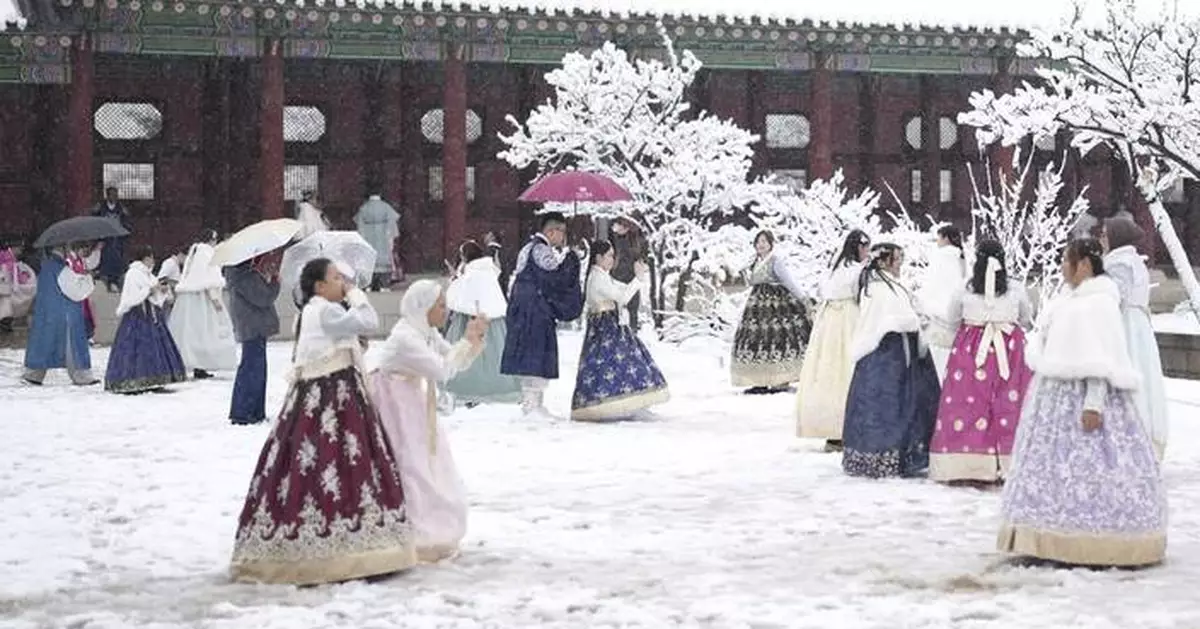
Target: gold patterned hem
x=326, y=569
x=620, y=406
x=947, y=467
x=766, y=374
x=1083, y=549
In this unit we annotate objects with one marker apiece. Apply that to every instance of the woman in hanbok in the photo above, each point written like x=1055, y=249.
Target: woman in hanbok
x=18, y=285
x=199, y=320
x=475, y=292
x=1085, y=487
x=768, y=347
x=617, y=376
x=311, y=218
x=58, y=330
x=825, y=373
x=943, y=279
x=406, y=370
x=325, y=502
x=986, y=375
x=1125, y=266
x=893, y=394
x=143, y=355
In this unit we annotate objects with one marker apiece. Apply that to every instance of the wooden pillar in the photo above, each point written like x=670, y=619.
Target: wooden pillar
x=216, y=149
x=270, y=139
x=931, y=149
x=756, y=119
x=868, y=102
x=373, y=128
x=454, y=151
x=1002, y=156
x=820, y=160
x=79, y=150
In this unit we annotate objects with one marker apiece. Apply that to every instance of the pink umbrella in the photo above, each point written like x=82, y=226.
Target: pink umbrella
x=573, y=186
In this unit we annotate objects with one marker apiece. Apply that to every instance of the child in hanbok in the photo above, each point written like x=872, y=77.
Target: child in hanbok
x=325, y=503
x=986, y=375
x=893, y=394
x=1125, y=266
x=825, y=373
x=18, y=285
x=406, y=371
x=143, y=355
x=58, y=335
x=199, y=320
x=475, y=292
x=617, y=376
x=1085, y=487
x=943, y=279
x=768, y=347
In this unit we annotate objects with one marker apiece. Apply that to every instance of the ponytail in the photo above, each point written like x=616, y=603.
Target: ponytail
x=882, y=254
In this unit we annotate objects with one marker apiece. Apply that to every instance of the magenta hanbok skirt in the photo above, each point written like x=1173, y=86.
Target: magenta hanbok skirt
x=979, y=409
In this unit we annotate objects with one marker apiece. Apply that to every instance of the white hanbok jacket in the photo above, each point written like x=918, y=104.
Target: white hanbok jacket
x=605, y=293
x=884, y=308
x=311, y=219
x=943, y=280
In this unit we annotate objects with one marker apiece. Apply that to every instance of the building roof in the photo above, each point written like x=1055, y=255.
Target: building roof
x=900, y=14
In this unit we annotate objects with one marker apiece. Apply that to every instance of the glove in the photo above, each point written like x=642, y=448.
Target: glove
x=355, y=297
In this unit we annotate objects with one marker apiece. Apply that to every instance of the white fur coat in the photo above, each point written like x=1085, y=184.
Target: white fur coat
x=139, y=285
x=476, y=291
x=884, y=308
x=1082, y=336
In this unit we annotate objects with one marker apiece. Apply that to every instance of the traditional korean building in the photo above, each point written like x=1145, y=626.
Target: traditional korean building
x=211, y=113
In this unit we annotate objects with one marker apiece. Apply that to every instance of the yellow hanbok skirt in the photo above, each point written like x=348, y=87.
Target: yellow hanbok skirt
x=825, y=374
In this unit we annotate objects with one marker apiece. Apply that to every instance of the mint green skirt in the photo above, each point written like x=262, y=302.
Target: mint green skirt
x=482, y=381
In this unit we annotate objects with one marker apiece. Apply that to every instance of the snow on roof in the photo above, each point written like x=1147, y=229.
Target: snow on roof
x=9, y=14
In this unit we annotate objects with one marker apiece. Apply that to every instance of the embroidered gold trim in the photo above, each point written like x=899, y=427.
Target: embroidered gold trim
x=947, y=467
x=620, y=406
x=1083, y=549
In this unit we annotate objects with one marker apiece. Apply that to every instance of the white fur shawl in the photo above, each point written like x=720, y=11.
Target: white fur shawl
x=884, y=308
x=1083, y=336
x=138, y=286
x=476, y=291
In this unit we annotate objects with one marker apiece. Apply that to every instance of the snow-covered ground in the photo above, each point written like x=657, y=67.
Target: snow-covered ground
x=119, y=513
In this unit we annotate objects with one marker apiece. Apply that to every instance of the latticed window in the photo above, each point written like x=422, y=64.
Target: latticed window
x=787, y=131
x=1045, y=143
x=303, y=124
x=795, y=179
x=433, y=126
x=298, y=179
x=127, y=121
x=132, y=181
x=947, y=132
x=437, y=183
x=914, y=184
x=945, y=186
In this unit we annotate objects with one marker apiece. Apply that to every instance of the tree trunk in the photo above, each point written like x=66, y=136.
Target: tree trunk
x=656, y=296
x=1166, y=229
x=681, y=287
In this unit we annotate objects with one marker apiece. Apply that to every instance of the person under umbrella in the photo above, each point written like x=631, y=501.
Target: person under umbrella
x=253, y=288
x=112, y=257
x=58, y=335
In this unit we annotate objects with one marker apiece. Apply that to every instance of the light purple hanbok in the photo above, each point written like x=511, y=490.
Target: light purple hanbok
x=1077, y=497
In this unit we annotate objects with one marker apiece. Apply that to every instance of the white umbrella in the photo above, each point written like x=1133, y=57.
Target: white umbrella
x=255, y=240
x=347, y=247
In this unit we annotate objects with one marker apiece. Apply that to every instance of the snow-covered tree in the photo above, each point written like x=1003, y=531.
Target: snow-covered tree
x=1034, y=231
x=629, y=119
x=1131, y=85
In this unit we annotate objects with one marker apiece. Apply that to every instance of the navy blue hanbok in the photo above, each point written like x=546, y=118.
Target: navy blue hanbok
x=144, y=356
x=544, y=292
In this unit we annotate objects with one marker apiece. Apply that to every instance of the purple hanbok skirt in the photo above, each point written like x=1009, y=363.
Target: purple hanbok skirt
x=1083, y=498
x=143, y=355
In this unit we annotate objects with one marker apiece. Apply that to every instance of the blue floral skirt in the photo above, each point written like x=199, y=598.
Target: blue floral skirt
x=143, y=356
x=617, y=376
x=890, y=410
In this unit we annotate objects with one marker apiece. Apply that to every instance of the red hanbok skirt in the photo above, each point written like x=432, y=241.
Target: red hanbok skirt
x=325, y=503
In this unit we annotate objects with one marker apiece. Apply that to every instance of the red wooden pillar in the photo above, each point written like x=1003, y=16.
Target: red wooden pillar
x=820, y=163
x=454, y=151
x=270, y=133
x=1002, y=156
x=80, y=193
x=931, y=149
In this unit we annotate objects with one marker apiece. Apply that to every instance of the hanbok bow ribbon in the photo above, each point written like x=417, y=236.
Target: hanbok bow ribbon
x=993, y=332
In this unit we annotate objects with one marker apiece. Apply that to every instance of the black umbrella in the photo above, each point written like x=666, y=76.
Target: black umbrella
x=80, y=229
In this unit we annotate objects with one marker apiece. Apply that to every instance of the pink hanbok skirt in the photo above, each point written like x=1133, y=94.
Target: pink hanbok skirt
x=435, y=498
x=979, y=410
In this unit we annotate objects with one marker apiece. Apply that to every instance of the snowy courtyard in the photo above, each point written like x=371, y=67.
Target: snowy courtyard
x=120, y=512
